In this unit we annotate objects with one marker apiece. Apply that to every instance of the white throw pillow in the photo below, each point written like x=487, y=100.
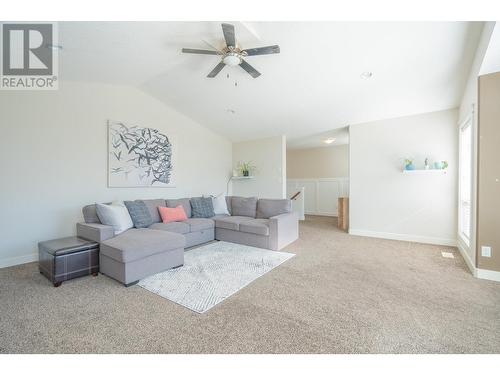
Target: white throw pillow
x=220, y=205
x=116, y=215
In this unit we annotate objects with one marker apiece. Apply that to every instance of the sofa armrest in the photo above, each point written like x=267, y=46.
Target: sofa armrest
x=95, y=232
x=283, y=230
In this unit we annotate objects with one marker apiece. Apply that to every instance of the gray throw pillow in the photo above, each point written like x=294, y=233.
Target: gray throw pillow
x=202, y=207
x=139, y=213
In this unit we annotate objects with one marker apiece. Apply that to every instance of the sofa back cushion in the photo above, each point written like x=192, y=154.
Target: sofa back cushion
x=139, y=213
x=90, y=214
x=172, y=203
x=152, y=205
x=267, y=208
x=170, y=215
x=202, y=207
x=228, y=203
x=244, y=206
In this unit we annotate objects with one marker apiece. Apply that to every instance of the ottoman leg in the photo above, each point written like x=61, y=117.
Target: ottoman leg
x=57, y=284
x=94, y=274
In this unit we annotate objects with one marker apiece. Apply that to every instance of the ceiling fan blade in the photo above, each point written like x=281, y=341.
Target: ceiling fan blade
x=249, y=69
x=228, y=31
x=262, y=50
x=216, y=70
x=211, y=46
x=200, y=51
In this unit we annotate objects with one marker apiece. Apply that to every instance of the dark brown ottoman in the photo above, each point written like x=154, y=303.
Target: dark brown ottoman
x=67, y=258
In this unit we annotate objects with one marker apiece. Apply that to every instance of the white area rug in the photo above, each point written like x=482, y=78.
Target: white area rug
x=212, y=273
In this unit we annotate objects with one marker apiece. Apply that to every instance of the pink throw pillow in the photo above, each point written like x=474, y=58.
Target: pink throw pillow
x=169, y=215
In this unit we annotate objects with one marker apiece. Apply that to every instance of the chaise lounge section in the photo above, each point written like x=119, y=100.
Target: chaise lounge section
x=137, y=253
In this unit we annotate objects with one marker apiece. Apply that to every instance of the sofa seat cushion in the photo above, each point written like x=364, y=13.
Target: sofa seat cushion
x=231, y=222
x=135, y=244
x=219, y=216
x=255, y=226
x=175, y=226
x=197, y=224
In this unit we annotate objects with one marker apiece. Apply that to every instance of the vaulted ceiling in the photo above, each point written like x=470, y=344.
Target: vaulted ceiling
x=313, y=86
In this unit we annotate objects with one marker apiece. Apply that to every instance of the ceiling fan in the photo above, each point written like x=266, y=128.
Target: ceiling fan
x=233, y=55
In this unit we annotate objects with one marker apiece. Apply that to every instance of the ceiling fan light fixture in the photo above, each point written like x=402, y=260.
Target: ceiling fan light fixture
x=232, y=59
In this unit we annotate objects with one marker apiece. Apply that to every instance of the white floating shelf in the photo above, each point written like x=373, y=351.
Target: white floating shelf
x=424, y=171
x=241, y=177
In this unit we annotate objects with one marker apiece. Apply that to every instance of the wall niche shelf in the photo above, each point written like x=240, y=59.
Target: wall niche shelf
x=424, y=171
x=241, y=177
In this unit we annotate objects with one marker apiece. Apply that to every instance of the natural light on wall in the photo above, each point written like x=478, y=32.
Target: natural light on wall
x=465, y=181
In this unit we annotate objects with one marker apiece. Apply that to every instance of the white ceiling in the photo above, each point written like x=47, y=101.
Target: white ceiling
x=491, y=60
x=340, y=136
x=313, y=86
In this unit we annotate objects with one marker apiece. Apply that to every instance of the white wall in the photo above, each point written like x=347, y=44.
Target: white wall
x=491, y=60
x=320, y=194
x=384, y=202
x=53, y=148
x=269, y=156
x=318, y=162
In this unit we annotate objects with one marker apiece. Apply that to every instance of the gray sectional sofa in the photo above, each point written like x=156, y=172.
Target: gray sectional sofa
x=138, y=253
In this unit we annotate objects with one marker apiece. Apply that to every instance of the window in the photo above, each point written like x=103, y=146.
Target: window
x=465, y=187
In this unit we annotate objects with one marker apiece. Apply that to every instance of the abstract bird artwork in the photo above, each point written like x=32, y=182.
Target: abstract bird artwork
x=139, y=156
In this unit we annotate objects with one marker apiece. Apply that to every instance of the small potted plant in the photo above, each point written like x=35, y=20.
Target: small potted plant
x=245, y=168
x=409, y=165
x=441, y=164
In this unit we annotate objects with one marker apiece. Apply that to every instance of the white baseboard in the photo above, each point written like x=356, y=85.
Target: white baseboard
x=329, y=214
x=405, y=237
x=487, y=274
x=476, y=272
x=14, y=261
x=463, y=251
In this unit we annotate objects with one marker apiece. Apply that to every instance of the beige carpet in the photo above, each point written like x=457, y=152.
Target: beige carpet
x=340, y=294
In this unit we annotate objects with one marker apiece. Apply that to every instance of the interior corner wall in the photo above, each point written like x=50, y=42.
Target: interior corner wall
x=268, y=155
x=53, y=147
x=488, y=183
x=387, y=203
x=318, y=162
